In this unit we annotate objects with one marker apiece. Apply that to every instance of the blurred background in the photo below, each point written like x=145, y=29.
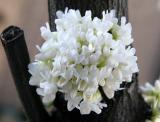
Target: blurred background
x=30, y=15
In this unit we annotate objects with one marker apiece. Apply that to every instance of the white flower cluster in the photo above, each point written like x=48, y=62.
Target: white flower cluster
x=151, y=94
x=81, y=55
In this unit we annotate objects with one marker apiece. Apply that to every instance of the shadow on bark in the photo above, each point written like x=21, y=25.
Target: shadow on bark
x=127, y=106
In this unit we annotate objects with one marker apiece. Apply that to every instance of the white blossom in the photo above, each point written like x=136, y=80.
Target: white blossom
x=151, y=94
x=83, y=54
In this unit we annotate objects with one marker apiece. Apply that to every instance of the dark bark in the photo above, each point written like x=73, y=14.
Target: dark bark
x=18, y=58
x=128, y=105
x=96, y=6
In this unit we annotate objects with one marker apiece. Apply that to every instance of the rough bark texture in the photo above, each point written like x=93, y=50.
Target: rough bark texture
x=97, y=6
x=128, y=105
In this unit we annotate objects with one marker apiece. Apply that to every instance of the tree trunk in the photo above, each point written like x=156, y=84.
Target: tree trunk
x=127, y=105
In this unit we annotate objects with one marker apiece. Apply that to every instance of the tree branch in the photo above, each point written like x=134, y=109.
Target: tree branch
x=18, y=58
